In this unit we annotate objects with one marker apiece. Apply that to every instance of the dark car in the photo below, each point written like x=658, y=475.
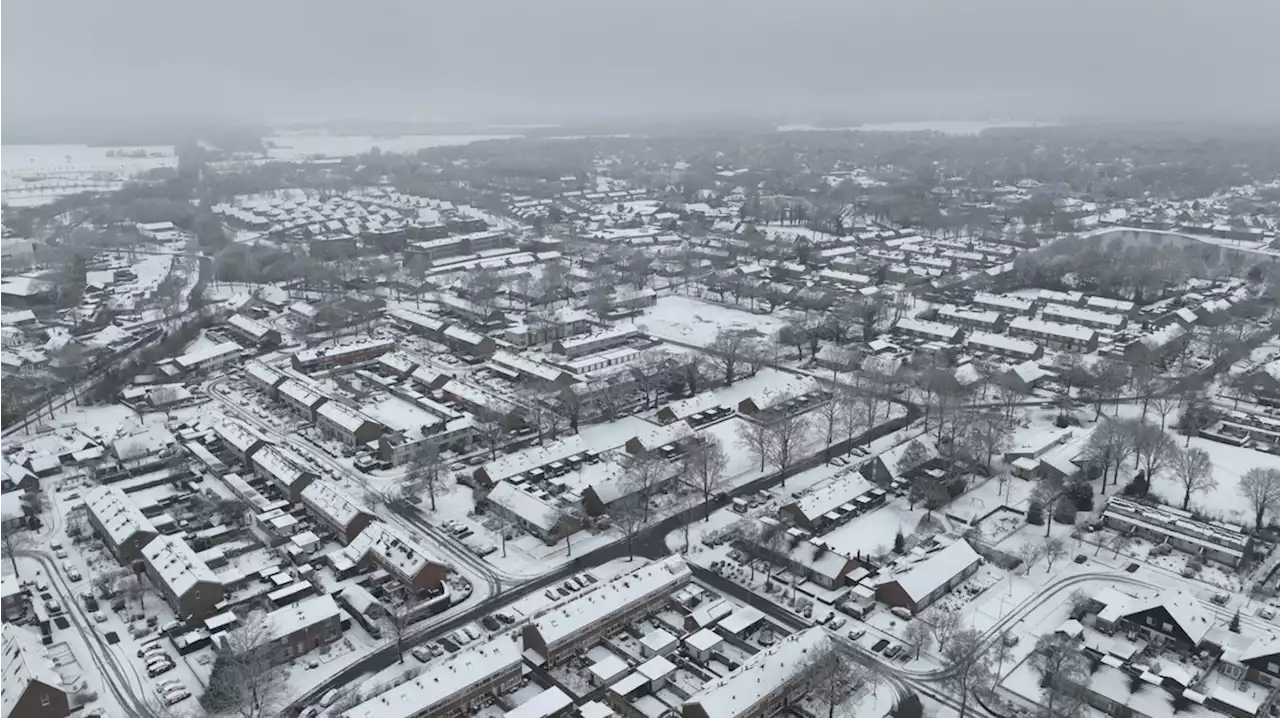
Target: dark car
x=1081, y=558
x=490, y=623
x=880, y=644
x=1131, y=568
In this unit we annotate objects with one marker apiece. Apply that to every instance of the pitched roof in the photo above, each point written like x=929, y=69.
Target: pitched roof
x=761, y=675
x=177, y=564
x=918, y=580
x=25, y=661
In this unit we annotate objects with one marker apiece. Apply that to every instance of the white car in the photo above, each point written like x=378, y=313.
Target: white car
x=421, y=653
x=99, y=616
x=177, y=696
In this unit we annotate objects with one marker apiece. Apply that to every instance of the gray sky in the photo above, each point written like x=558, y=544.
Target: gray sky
x=78, y=61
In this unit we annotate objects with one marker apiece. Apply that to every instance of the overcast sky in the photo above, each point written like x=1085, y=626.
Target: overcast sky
x=549, y=60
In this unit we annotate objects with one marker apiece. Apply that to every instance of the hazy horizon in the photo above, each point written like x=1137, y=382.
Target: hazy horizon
x=78, y=65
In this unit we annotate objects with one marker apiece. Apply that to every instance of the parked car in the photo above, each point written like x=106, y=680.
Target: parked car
x=837, y=624
x=856, y=633
x=892, y=651
x=158, y=669
x=176, y=696
x=421, y=653
x=880, y=645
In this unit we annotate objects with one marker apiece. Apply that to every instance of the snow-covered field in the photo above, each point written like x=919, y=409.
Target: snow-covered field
x=690, y=321
x=39, y=174
x=296, y=146
x=949, y=127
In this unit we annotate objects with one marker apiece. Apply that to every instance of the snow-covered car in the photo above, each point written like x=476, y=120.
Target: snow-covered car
x=99, y=616
x=421, y=653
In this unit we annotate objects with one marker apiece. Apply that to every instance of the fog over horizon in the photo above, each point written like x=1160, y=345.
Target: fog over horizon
x=72, y=64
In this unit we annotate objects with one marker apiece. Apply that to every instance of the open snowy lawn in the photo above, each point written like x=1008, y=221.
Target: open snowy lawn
x=1229, y=464
x=29, y=160
x=692, y=321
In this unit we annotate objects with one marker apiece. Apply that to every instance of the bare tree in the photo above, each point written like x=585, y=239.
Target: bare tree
x=728, y=352
x=425, y=471
x=135, y=589
x=943, y=625
x=490, y=432
x=918, y=635
x=969, y=663
x=788, y=440
x=1030, y=553
x=630, y=515
x=704, y=468
x=1063, y=669
x=1054, y=549
x=1153, y=448
x=756, y=438
x=398, y=620
x=830, y=414
x=13, y=542
x=1261, y=488
x=988, y=433
x=643, y=476
x=1194, y=471
x=834, y=678
x=248, y=677
x=1165, y=403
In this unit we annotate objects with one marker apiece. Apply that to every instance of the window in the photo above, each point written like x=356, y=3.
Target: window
x=44, y=699
x=1166, y=627
x=197, y=593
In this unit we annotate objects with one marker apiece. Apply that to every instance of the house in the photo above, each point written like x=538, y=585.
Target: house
x=32, y=687
x=1071, y=337
x=831, y=502
x=1172, y=616
x=976, y=319
x=456, y=686
x=477, y=316
x=766, y=684
x=509, y=466
x=1157, y=344
x=208, y=358
x=1023, y=377
x=346, y=425
x=533, y=513
x=284, y=469
x=191, y=589
x=252, y=331
x=1256, y=658
x=119, y=523
x=468, y=342
x=1092, y=318
x=1004, y=345
x=396, y=365
x=302, y=627
x=1004, y=304
x=238, y=438
x=884, y=468
x=415, y=566
x=321, y=358
x=1216, y=541
x=304, y=399
x=928, y=331
x=556, y=634
x=600, y=341
x=336, y=509
x=917, y=585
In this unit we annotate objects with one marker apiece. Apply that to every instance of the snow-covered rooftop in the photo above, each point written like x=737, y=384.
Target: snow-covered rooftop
x=392, y=549
x=528, y=507
x=335, y=505
x=119, y=517
x=342, y=416
x=832, y=493
x=209, y=353
x=761, y=676
x=920, y=579
x=295, y=617
x=616, y=596
x=25, y=661
x=439, y=682
x=282, y=465
x=177, y=564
